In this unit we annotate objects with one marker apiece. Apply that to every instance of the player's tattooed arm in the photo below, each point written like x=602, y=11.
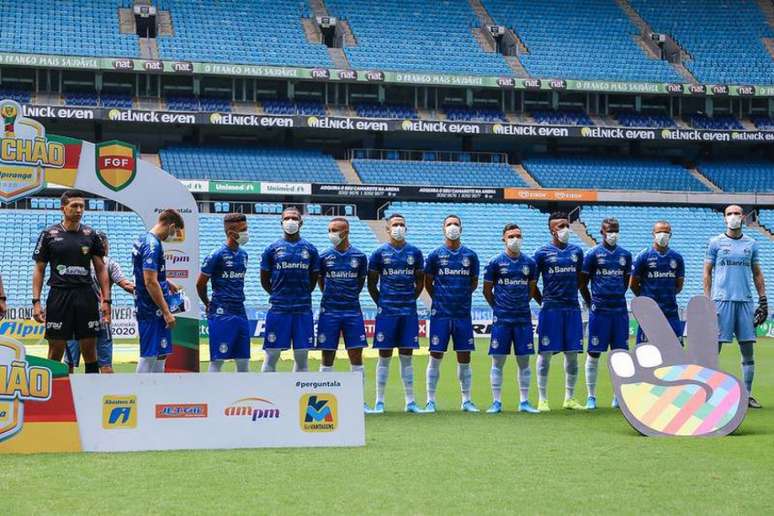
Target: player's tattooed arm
x=373, y=286
x=428, y=285
x=760, y=283
x=489, y=293
x=201, y=290
x=266, y=281
x=583, y=285
x=419, y=282
x=535, y=293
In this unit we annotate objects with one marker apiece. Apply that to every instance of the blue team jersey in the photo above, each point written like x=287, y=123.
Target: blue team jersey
x=732, y=260
x=226, y=269
x=396, y=268
x=559, y=269
x=290, y=264
x=148, y=255
x=606, y=269
x=452, y=272
x=343, y=273
x=511, y=277
x=658, y=275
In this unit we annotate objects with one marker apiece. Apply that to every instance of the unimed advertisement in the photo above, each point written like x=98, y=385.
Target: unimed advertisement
x=134, y=412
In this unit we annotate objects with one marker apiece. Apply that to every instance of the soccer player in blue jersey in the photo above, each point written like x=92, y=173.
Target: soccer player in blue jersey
x=560, y=328
x=731, y=264
x=155, y=320
x=289, y=270
x=658, y=272
x=395, y=281
x=451, y=277
x=510, y=280
x=226, y=267
x=343, y=271
x=607, y=267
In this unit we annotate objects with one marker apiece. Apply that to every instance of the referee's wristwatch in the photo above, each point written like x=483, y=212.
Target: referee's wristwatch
x=35, y=301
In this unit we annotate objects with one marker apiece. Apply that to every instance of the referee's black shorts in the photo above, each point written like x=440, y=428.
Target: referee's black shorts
x=72, y=313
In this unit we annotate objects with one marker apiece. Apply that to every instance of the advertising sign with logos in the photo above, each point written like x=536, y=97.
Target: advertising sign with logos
x=135, y=412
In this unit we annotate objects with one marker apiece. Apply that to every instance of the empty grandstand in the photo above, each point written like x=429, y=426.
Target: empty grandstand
x=740, y=176
x=437, y=173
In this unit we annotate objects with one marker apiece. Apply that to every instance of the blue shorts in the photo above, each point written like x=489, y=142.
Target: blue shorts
x=736, y=318
x=560, y=329
x=282, y=329
x=155, y=338
x=507, y=335
x=442, y=329
x=331, y=325
x=104, y=350
x=676, y=324
x=608, y=330
x=396, y=331
x=229, y=336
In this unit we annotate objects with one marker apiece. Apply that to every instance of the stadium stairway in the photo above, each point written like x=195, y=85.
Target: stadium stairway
x=487, y=43
x=704, y=179
x=646, y=29
x=582, y=231
x=348, y=171
x=522, y=172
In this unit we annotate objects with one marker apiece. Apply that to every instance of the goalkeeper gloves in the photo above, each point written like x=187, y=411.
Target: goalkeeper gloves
x=762, y=312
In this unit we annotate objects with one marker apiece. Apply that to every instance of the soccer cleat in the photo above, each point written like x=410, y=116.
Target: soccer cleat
x=378, y=408
x=591, y=403
x=753, y=403
x=367, y=409
x=469, y=406
x=543, y=406
x=572, y=404
x=524, y=406
x=614, y=403
x=496, y=408
x=430, y=407
x=412, y=408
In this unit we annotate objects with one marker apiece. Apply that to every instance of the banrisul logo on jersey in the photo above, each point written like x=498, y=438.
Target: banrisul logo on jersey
x=25, y=153
x=116, y=164
x=19, y=382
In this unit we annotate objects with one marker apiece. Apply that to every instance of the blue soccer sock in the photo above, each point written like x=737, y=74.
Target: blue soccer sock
x=748, y=364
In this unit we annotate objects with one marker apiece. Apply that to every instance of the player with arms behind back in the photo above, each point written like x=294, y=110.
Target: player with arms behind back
x=731, y=264
x=510, y=280
x=658, y=272
x=395, y=282
x=560, y=328
x=226, y=267
x=155, y=319
x=607, y=267
x=451, y=277
x=289, y=269
x=343, y=271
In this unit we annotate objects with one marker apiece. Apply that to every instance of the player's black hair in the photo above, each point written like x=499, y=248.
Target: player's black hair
x=509, y=227
x=395, y=216
x=291, y=208
x=340, y=219
x=70, y=194
x=557, y=215
x=234, y=218
x=452, y=216
x=609, y=220
x=103, y=237
x=171, y=216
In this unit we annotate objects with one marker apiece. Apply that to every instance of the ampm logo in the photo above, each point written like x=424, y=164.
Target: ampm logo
x=181, y=410
x=18, y=383
x=318, y=412
x=119, y=412
x=253, y=408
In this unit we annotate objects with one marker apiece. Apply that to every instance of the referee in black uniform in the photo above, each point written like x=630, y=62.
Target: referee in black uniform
x=72, y=310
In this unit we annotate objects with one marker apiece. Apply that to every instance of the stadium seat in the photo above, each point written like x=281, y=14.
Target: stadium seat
x=740, y=176
x=439, y=173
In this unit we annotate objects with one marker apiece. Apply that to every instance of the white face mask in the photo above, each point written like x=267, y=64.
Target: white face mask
x=662, y=239
x=513, y=244
x=171, y=236
x=453, y=232
x=734, y=221
x=290, y=226
x=335, y=238
x=563, y=235
x=398, y=232
x=611, y=239
x=242, y=238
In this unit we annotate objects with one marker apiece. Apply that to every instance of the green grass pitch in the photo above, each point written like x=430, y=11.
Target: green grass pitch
x=447, y=463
